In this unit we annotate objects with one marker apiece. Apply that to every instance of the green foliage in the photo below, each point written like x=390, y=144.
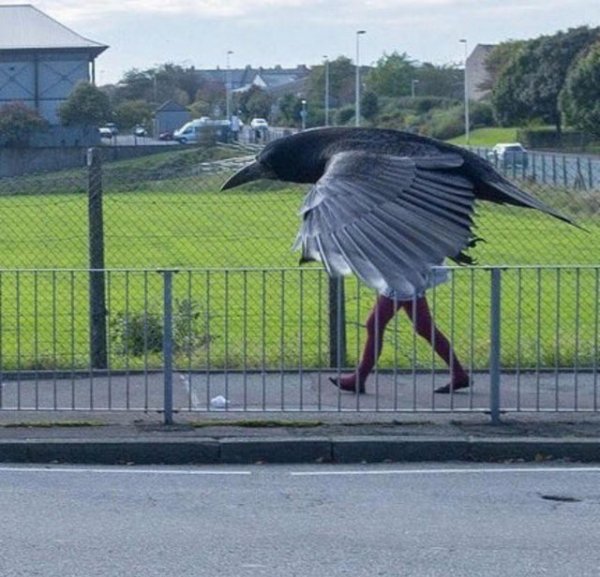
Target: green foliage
x=17, y=123
x=138, y=333
x=445, y=124
x=345, y=115
x=86, y=105
x=369, y=105
x=255, y=103
x=391, y=76
x=133, y=112
x=529, y=86
x=580, y=98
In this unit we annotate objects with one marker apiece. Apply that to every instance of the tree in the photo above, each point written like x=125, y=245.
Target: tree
x=18, y=122
x=255, y=103
x=133, y=112
x=498, y=59
x=86, y=105
x=392, y=75
x=529, y=86
x=369, y=105
x=446, y=81
x=580, y=98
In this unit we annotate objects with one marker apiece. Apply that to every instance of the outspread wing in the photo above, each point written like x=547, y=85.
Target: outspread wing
x=387, y=219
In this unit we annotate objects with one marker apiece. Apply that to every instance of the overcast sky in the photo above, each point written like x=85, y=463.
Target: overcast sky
x=145, y=33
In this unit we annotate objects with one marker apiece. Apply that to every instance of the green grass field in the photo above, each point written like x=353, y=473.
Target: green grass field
x=266, y=317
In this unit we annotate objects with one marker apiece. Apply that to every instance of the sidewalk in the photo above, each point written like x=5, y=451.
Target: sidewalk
x=246, y=438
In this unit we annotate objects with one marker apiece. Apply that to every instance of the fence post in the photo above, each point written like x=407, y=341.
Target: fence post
x=337, y=323
x=168, y=344
x=495, y=319
x=98, y=348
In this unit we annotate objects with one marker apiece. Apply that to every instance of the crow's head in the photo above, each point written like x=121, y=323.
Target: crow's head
x=298, y=158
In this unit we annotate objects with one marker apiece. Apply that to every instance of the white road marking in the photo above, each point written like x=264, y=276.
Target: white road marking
x=122, y=471
x=446, y=471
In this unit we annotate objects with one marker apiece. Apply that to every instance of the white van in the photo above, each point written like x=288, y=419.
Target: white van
x=188, y=134
x=203, y=130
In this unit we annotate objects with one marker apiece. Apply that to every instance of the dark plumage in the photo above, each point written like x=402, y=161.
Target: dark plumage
x=385, y=205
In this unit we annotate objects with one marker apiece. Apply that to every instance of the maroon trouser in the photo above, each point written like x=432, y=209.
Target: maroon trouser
x=420, y=315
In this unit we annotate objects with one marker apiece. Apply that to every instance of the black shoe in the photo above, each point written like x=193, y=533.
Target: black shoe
x=453, y=387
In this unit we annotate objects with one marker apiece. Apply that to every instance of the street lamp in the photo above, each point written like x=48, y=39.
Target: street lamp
x=228, y=86
x=413, y=83
x=467, y=135
x=303, y=114
x=359, y=33
x=326, y=90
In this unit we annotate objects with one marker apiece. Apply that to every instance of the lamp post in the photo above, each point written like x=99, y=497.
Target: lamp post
x=413, y=83
x=326, y=90
x=359, y=33
x=303, y=114
x=467, y=135
x=228, y=87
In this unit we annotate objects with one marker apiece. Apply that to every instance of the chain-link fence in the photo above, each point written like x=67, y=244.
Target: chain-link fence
x=166, y=212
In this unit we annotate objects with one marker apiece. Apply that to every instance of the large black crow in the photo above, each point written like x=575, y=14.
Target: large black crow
x=385, y=205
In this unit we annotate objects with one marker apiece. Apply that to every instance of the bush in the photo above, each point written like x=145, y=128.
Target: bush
x=345, y=115
x=139, y=333
x=18, y=123
x=445, y=124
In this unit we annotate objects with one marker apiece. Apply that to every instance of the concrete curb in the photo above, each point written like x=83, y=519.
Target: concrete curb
x=372, y=449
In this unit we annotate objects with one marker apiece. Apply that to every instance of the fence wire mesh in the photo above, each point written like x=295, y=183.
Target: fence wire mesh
x=166, y=210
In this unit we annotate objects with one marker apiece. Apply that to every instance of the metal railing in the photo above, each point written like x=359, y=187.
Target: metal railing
x=259, y=340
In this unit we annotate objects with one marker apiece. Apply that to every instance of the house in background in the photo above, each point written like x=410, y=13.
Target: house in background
x=478, y=76
x=41, y=60
x=169, y=117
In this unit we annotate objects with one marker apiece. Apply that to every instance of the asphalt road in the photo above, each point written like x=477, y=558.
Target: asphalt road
x=395, y=520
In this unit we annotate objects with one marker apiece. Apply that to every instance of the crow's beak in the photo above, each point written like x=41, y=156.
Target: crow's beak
x=253, y=171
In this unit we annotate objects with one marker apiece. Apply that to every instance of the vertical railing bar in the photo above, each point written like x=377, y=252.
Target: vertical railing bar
x=590, y=174
x=168, y=345
x=596, y=345
x=538, y=337
x=519, y=333
x=319, y=338
x=396, y=360
x=432, y=351
x=414, y=356
x=495, y=344
x=209, y=340
x=557, y=343
x=188, y=340
x=1, y=340
x=146, y=313
x=36, y=340
x=577, y=327
x=73, y=345
x=109, y=351
x=226, y=329
x=472, y=332
x=18, y=334
x=452, y=332
x=54, y=341
x=282, y=342
x=301, y=339
x=127, y=351
x=245, y=340
x=264, y=340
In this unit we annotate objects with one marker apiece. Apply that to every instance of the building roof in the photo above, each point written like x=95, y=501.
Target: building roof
x=24, y=27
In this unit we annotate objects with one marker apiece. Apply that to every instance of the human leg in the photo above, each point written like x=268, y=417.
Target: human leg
x=420, y=315
x=381, y=314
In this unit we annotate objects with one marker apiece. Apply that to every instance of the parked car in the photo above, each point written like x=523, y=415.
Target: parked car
x=112, y=127
x=168, y=135
x=139, y=131
x=259, y=123
x=509, y=154
x=105, y=132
